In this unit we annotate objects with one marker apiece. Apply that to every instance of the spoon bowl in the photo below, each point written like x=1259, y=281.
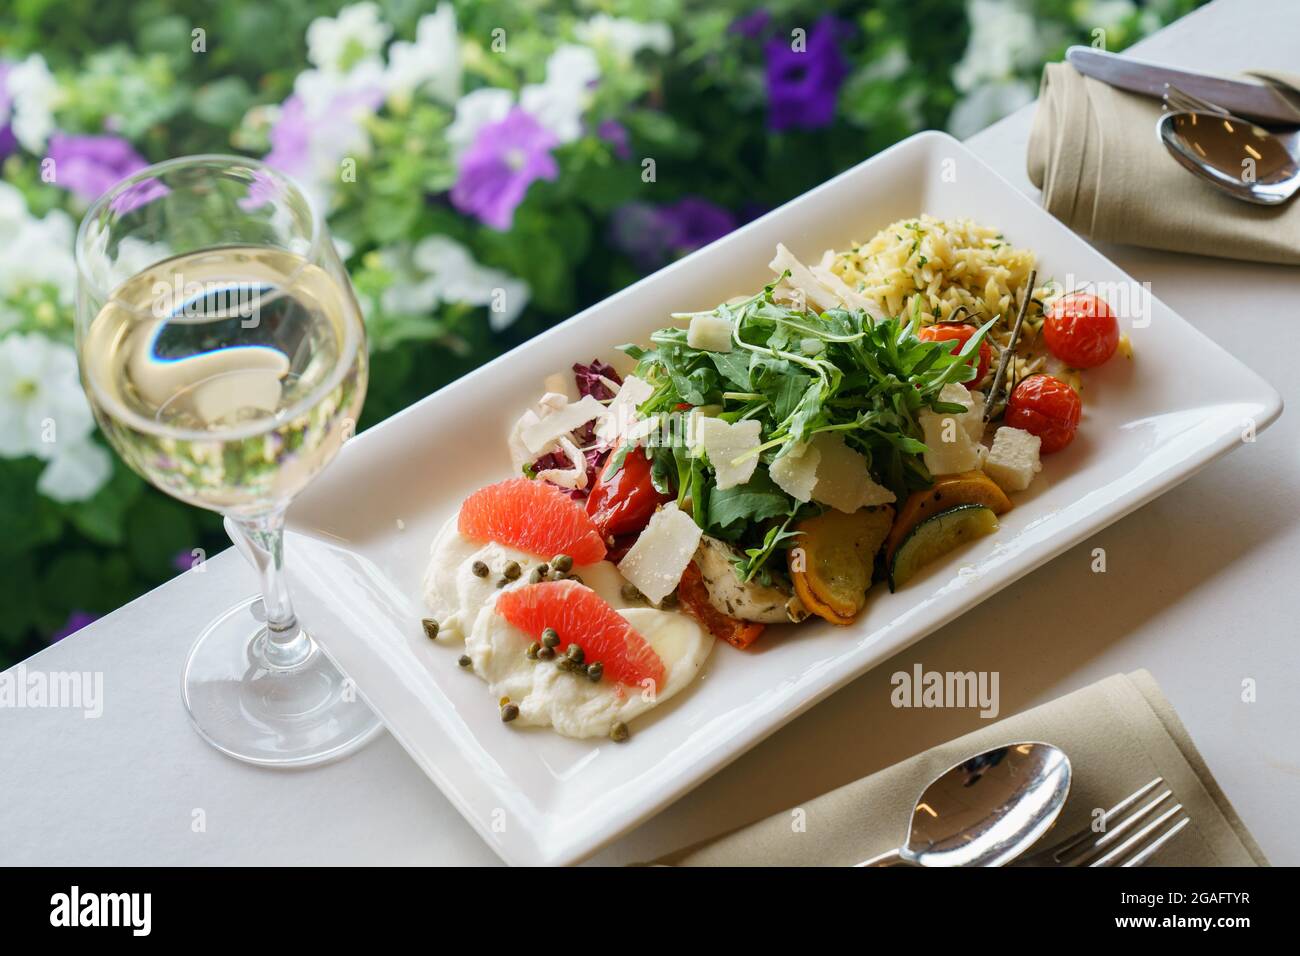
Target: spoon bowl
x=987, y=810
x=1234, y=155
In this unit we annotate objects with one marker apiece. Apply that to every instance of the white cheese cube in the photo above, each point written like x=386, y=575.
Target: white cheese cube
x=795, y=472
x=711, y=332
x=724, y=443
x=1013, y=461
x=655, y=562
x=843, y=481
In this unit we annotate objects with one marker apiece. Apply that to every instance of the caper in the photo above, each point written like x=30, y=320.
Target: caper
x=543, y=569
x=533, y=648
x=464, y=661
x=566, y=664
x=509, y=712
x=502, y=582
x=574, y=653
x=596, y=671
x=632, y=593
x=480, y=569
x=545, y=653
x=430, y=628
x=534, y=576
x=574, y=577
x=619, y=732
x=511, y=570
x=562, y=563
x=550, y=638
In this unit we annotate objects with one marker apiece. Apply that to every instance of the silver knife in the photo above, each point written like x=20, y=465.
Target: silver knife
x=1255, y=101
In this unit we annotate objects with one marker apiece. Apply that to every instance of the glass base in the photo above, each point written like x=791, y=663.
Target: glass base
x=296, y=717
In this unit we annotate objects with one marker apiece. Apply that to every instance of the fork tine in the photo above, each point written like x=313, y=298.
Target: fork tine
x=1122, y=827
x=1068, y=845
x=1169, y=834
x=1139, y=841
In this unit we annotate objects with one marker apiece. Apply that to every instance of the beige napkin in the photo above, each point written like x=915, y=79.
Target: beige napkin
x=1119, y=734
x=1094, y=153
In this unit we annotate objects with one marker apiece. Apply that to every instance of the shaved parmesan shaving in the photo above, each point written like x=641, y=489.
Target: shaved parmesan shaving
x=795, y=472
x=950, y=448
x=575, y=476
x=838, y=288
x=842, y=478
x=712, y=333
x=954, y=447
x=655, y=563
x=802, y=280
x=621, y=412
x=540, y=435
x=724, y=443
x=973, y=418
x=694, y=442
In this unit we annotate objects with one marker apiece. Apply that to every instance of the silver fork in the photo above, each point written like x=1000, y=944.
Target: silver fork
x=1128, y=838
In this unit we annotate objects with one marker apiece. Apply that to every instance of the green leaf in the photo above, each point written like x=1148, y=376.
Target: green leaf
x=758, y=499
x=27, y=519
x=101, y=518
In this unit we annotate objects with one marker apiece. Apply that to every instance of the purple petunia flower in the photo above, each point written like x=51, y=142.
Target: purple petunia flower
x=615, y=133
x=7, y=141
x=803, y=84
x=505, y=158
x=302, y=139
x=89, y=166
x=650, y=235
x=751, y=25
x=76, y=621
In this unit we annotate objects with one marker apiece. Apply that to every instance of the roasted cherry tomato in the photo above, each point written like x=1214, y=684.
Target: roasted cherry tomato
x=1046, y=407
x=623, y=504
x=960, y=331
x=1081, y=330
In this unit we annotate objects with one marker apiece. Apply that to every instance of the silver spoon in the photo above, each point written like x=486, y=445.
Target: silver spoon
x=1236, y=156
x=987, y=810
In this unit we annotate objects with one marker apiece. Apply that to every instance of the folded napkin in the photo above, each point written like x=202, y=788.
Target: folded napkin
x=1094, y=153
x=1119, y=734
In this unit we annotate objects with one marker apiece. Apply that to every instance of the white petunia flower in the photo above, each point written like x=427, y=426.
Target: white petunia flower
x=34, y=94
x=432, y=62
x=453, y=275
x=43, y=411
x=1003, y=40
x=559, y=102
x=625, y=37
x=474, y=111
x=1104, y=14
x=357, y=33
x=987, y=104
x=76, y=472
x=35, y=251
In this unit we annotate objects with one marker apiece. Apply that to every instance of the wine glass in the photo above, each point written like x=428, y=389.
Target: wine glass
x=224, y=354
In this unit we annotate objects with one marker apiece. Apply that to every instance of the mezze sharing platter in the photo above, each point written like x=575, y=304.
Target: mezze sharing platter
x=584, y=577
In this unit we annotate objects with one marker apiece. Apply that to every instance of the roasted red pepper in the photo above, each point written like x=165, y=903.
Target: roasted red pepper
x=623, y=504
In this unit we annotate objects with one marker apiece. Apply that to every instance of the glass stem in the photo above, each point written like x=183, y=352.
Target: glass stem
x=261, y=540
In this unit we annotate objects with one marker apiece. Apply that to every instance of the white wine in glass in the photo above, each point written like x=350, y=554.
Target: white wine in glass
x=224, y=354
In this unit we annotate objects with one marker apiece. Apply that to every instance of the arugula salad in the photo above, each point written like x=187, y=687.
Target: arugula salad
x=770, y=459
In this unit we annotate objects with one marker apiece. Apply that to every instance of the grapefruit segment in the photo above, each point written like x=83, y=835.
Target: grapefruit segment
x=580, y=617
x=533, y=516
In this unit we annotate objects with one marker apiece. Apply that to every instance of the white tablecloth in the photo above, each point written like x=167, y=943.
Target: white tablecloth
x=1200, y=590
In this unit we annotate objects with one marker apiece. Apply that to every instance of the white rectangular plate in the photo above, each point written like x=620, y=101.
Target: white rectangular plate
x=360, y=535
